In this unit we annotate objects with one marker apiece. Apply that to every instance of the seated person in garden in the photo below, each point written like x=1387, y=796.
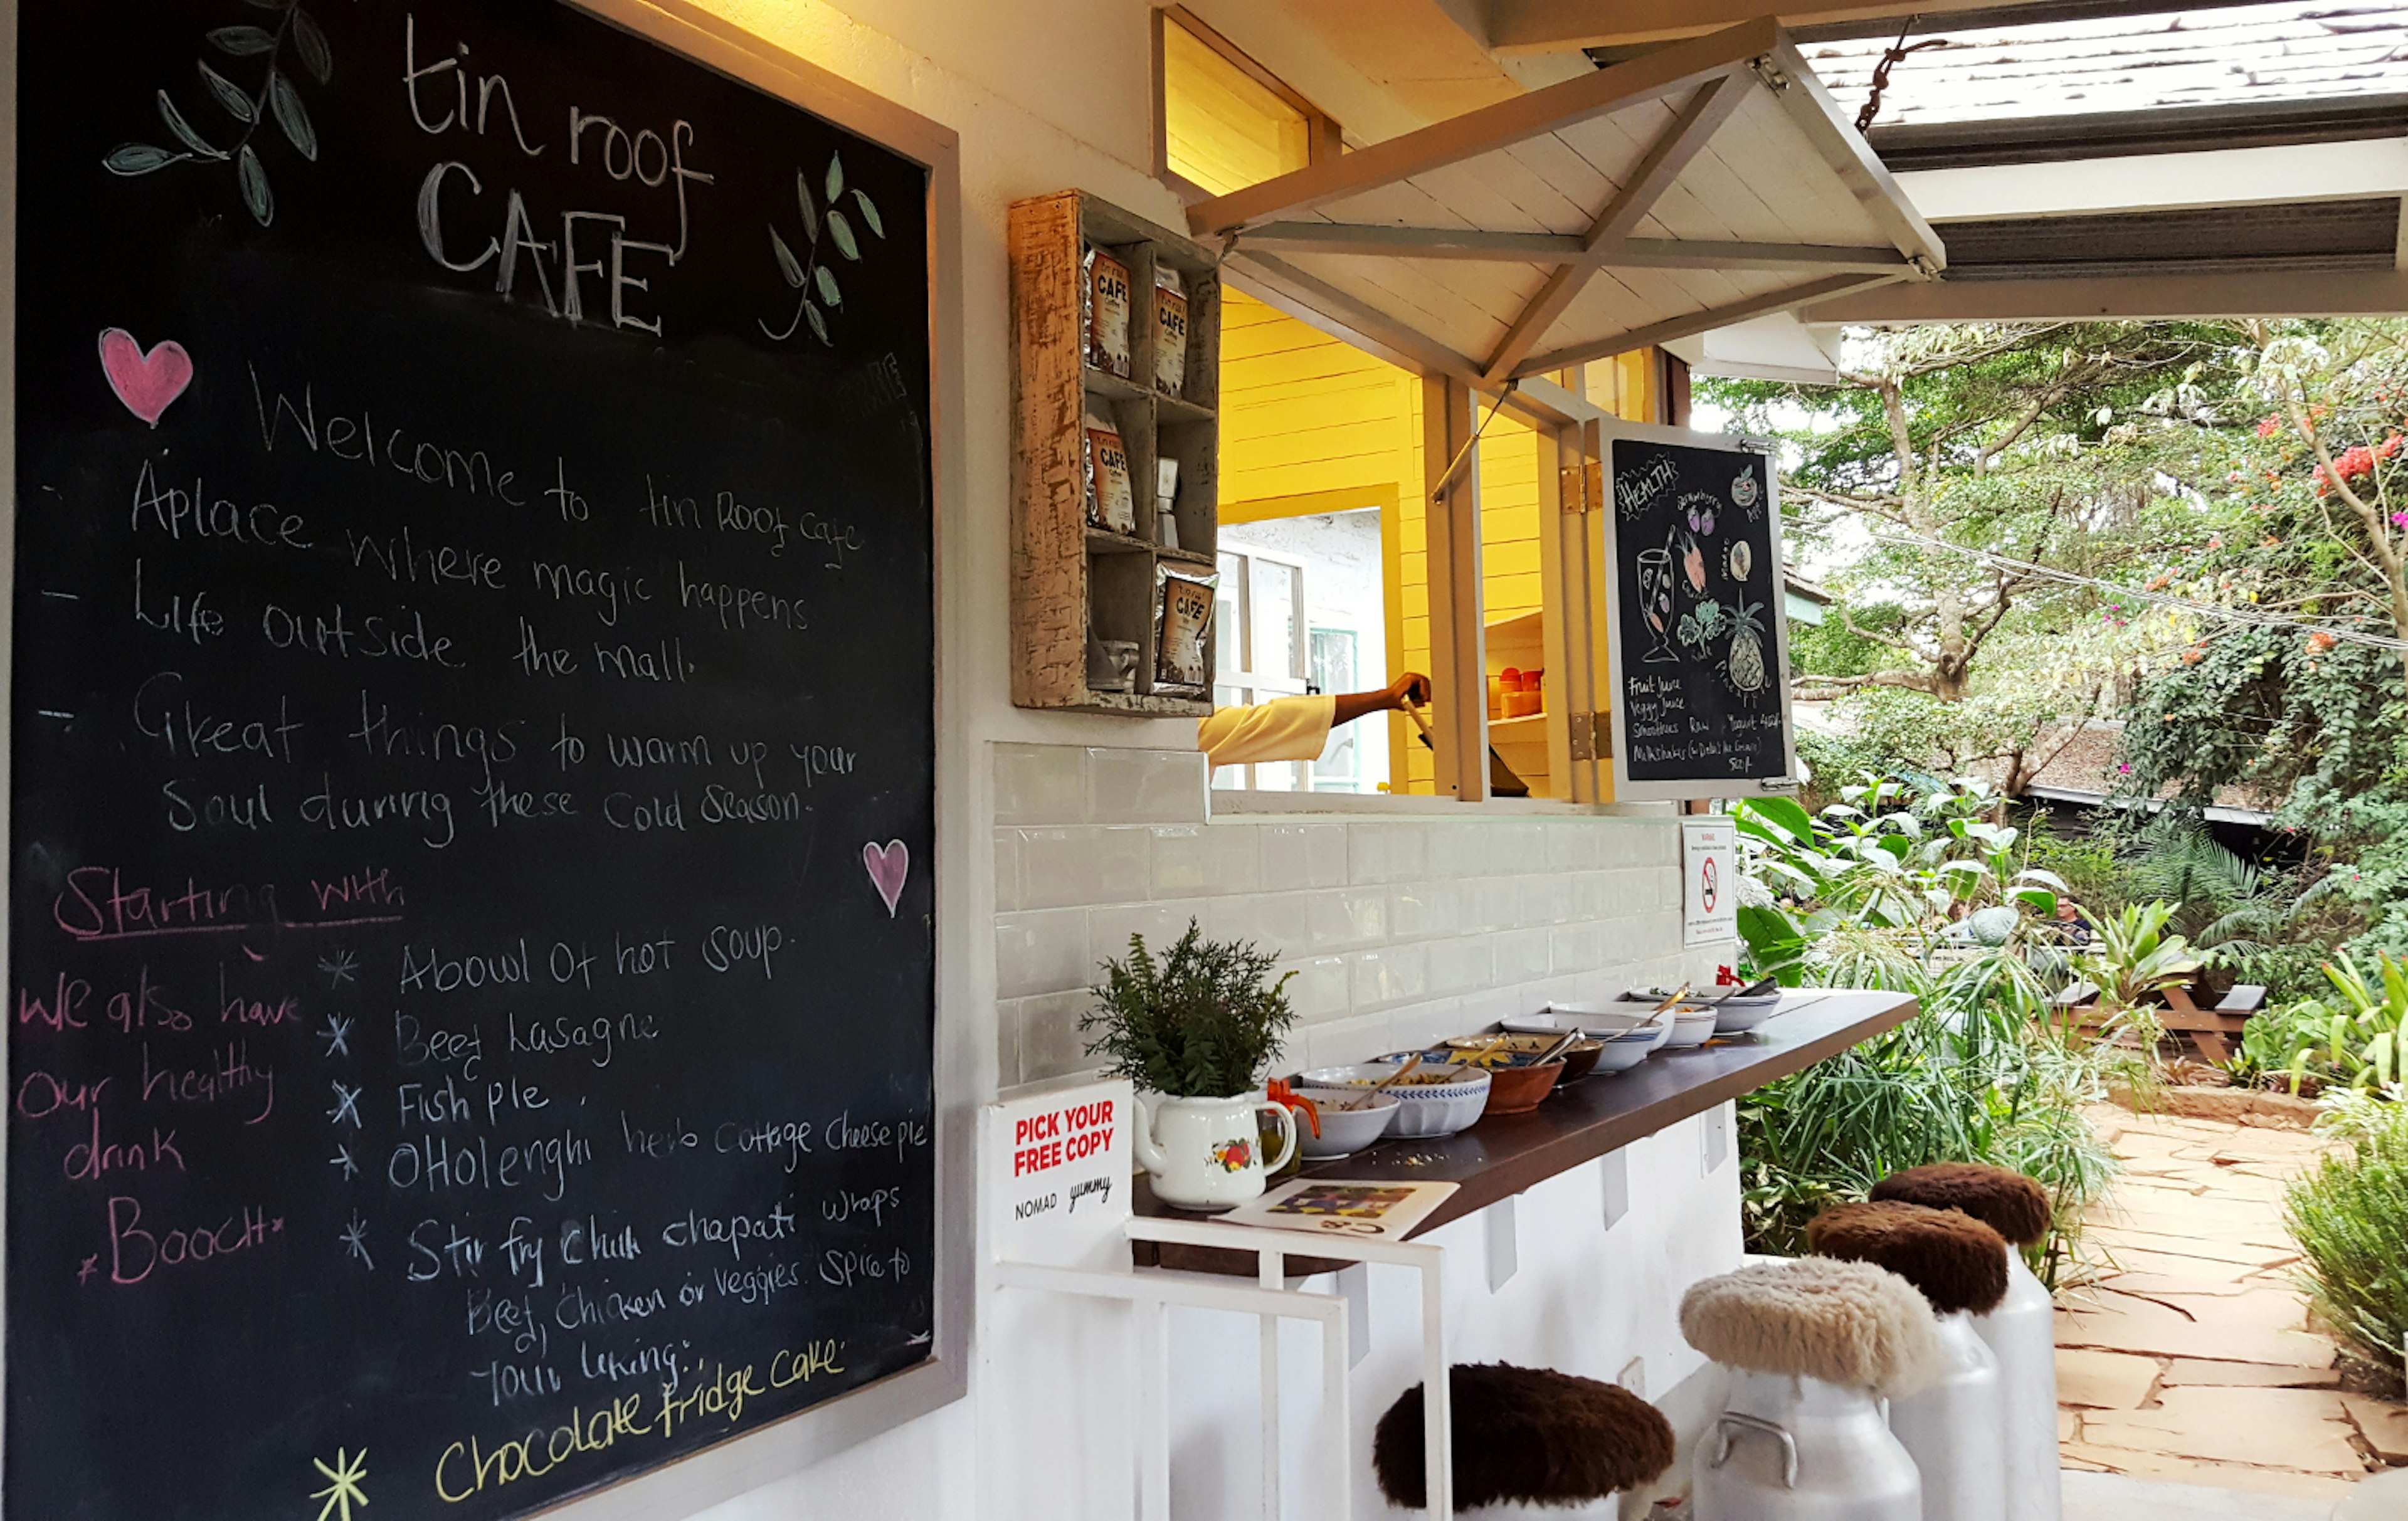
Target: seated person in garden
x=1297, y=728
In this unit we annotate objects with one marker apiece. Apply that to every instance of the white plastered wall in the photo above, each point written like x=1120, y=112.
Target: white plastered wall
x=1047, y=95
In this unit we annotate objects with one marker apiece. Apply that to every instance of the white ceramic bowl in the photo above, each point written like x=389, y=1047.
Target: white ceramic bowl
x=1598, y=1021
x=1622, y=1056
x=1732, y=1018
x=1691, y=1026
x=1651, y=1038
x=1345, y=1131
x=1422, y=1109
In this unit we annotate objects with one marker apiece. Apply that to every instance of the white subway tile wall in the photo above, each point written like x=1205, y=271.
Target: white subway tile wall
x=1400, y=931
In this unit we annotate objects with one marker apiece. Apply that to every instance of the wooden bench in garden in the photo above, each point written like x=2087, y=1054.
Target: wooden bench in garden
x=2210, y=1029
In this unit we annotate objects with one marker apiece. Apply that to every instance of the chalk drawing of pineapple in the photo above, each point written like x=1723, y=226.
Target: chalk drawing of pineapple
x=1747, y=674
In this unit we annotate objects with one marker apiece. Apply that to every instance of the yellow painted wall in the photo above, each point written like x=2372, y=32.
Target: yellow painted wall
x=1311, y=423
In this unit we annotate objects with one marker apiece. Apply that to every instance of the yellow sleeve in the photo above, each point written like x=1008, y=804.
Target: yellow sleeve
x=1281, y=729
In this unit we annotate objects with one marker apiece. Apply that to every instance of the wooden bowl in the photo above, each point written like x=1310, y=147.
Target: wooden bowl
x=1516, y=1090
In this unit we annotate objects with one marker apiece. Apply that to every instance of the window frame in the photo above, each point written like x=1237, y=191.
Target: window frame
x=1324, y=138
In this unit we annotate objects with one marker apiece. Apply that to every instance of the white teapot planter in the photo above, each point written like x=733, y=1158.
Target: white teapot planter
x=1205, y=1154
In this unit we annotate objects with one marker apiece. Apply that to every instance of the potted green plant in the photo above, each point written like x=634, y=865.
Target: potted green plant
x=1194, y=1028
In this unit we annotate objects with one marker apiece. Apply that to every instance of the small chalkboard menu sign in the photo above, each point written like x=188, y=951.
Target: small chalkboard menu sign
x=1699, y=645
x=471, y=913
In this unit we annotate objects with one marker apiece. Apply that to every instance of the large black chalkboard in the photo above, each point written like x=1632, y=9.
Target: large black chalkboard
x=470, y=898
x=1700, y=642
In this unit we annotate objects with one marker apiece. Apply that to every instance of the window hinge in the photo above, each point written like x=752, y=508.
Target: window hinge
x=1583, y=488
x=1592, y=735
x=1766, y=69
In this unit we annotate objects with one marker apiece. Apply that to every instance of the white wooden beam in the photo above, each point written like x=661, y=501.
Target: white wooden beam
x=1518, y=27
x=1668, y=72
x=1786, y=299
x=1685, y=253
x=1362, y=241
x=1683, y=140
x=2347, y=171
x=2361, y=292
x=1836, y=139
x=1316, y=302
x=1458, y=657
x=1411, y=242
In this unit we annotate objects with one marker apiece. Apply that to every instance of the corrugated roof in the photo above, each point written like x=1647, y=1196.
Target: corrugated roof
x=2222, y=57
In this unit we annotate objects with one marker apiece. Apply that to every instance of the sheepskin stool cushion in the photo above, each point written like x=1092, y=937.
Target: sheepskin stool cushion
x=1956, y=1260
x=2008, y=1203
x=1525, y=1434
x=1847, y=1323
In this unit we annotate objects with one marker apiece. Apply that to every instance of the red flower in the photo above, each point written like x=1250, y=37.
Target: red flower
x=2274, y=420
x=2319, y=642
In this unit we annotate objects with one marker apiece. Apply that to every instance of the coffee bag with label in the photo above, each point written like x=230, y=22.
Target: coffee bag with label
x=1111, y=501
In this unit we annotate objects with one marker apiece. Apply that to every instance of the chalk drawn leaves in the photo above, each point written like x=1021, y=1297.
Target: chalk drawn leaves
x=130, y=159
x=823, y=218
x=788, y=264
x=243, y=41
x=256, y=198
x=888, y=866
x=229, y=95
x=277, y=97
x=183, y=129
x=147, y=384
x=318, y=57
x=1701, y=625
x=285, y=101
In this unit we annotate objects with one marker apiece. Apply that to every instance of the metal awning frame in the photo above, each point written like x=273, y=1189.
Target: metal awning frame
x=1709, y=76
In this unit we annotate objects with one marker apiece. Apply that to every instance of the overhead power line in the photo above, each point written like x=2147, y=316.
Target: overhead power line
x=2256, y=617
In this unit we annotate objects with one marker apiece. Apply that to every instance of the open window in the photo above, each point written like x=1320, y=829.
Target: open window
x=1221, y=120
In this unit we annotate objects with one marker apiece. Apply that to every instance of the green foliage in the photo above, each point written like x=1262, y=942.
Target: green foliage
x=2133, y=957
x=1974, y=1076
x=2354, y=1042
x=1200, y=1022
x=1868, y=893
x=2350, y=1216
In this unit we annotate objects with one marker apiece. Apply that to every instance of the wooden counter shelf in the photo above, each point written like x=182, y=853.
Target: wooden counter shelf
x=1506, y=1153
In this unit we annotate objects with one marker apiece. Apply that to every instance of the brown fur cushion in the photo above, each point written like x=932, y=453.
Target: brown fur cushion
x=2007, y=1202
x=1525, y=1434
x=1845, y=1322
x=1956, y=1260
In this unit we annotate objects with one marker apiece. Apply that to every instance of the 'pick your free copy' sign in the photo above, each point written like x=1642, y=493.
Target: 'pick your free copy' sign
x=1055, y=1171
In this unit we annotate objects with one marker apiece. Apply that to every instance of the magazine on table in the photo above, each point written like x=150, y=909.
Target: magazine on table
x=1333, y=1206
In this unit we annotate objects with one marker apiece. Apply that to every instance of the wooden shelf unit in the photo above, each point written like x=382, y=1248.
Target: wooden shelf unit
x=1520, y=642
x=1071, y=580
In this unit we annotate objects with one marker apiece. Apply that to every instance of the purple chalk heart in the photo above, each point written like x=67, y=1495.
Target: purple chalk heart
x=888, y=863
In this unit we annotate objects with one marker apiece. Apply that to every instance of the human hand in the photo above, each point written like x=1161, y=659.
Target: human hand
x=1411, y=689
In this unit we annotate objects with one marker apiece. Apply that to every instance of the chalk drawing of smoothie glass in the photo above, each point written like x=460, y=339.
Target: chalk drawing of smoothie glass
x=1655, y=604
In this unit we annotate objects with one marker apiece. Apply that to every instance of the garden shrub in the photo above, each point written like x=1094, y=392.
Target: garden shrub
x=2350, y=1216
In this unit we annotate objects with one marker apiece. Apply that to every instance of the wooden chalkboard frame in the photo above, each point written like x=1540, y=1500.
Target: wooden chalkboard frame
x=1626, y=789
x=716, y=1474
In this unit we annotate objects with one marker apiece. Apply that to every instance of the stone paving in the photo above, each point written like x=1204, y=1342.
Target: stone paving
x=2189, y=1358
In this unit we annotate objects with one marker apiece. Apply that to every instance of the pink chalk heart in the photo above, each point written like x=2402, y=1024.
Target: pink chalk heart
x=148, y=384
x=888, y=863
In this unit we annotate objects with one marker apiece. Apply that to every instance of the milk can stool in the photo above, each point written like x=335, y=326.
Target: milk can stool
x=1526, y=1437
x=1953, y=1429
x=1812, y=1346
x=2022, y=1331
